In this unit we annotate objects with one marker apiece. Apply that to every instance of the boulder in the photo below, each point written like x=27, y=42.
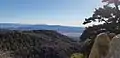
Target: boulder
x=101, y=46
x=114, y=50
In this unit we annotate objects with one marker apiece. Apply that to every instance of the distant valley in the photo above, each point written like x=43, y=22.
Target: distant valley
x=73, y=32
x=39, y=41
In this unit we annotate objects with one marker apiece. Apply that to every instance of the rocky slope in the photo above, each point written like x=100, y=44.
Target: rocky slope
x=37, y=44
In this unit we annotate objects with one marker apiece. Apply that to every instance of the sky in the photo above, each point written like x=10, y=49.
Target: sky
x=52, y=12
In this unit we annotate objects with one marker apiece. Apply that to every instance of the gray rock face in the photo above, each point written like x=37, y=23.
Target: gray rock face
x=114, y=51
x=100, y=46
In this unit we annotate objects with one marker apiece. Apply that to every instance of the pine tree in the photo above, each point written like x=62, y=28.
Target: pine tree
x=110, y=15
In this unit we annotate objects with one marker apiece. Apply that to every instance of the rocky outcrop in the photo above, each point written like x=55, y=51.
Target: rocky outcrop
x=114, y=51
x=106, y=45
x=100, y=46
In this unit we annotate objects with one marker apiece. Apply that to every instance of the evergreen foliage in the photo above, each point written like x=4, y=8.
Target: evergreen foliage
x=109, y=15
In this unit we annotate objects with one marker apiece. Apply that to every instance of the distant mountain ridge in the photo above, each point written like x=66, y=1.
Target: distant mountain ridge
x=72, y=32
x=13, y=26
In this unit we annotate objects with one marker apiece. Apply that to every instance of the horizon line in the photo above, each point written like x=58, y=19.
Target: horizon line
x=39, y=24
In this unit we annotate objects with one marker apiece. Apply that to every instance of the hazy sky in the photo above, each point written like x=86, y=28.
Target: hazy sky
x=60, y=12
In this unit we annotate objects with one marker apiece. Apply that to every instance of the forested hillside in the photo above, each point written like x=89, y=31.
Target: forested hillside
x=37, y=44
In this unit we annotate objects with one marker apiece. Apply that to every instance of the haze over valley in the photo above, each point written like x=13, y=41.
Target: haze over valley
x=70, y=31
